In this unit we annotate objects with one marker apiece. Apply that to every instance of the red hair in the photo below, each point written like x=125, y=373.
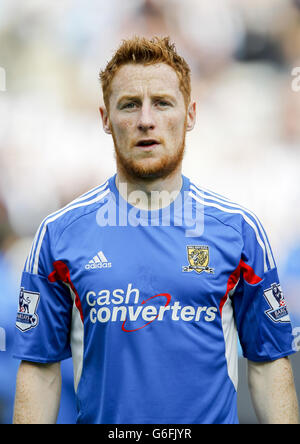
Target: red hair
x=140, y=50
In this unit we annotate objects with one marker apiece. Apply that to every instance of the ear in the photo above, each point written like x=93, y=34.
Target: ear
x=191, y=116
x=105, y=119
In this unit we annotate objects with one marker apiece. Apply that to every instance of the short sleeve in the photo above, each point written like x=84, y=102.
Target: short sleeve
x=44, y=309
x=261, y=313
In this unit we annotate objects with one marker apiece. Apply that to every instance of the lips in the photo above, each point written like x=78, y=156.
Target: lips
x=147, y=143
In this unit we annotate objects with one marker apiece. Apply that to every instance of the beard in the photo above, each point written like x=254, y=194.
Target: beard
x=150, y=169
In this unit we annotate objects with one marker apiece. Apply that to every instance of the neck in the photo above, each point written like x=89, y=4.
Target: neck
x=149, y=194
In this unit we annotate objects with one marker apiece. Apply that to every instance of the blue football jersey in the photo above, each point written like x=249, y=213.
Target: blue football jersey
x=150, y=305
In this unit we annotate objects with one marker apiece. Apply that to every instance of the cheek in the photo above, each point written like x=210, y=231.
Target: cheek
x=175, y=126
x=123, y=128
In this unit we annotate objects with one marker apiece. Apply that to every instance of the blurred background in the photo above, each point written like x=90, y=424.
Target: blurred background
x=246, y=143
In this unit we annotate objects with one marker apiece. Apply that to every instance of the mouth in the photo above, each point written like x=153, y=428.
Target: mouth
x=147, y=144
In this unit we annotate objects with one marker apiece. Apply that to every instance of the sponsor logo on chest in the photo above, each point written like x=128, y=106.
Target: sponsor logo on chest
x=125, y=306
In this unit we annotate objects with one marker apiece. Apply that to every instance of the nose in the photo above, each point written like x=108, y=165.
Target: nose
x=146, y=118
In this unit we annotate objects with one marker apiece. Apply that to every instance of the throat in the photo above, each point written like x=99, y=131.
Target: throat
x=150, y=196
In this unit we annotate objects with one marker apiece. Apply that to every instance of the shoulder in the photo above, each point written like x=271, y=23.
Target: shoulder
x=81, y=206
x=227, y=210
x=231, y=213
x=222, y=207
x=55, y=223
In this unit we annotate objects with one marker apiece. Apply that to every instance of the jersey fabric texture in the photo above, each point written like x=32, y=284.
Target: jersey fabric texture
x=150, y=305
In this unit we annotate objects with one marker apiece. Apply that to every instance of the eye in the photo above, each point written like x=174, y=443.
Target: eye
x=163, y=103
x=129, y=105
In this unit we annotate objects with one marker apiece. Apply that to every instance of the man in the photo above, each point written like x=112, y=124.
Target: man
x=147, y=279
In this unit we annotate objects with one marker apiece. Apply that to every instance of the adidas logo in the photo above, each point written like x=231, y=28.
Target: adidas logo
x=98, y=261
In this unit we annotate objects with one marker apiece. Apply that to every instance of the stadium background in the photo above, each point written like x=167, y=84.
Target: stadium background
x=246, y=143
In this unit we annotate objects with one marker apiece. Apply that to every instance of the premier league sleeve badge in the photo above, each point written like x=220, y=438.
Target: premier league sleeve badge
x=278, y=309
x=27, y=317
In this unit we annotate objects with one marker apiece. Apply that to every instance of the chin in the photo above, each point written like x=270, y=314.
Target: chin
x=150, y=170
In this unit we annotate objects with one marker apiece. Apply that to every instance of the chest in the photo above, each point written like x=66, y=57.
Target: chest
x=128, y=265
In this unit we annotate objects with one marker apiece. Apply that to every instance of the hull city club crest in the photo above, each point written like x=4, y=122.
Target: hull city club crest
x=198, y=257
x=278, y=309
x=27, y=317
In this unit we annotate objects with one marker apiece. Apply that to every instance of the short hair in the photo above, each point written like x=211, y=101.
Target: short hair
x=140, y=50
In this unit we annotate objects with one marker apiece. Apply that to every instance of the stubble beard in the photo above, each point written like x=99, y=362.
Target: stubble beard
x=142, y=169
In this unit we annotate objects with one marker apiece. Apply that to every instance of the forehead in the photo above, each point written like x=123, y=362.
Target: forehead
x=136, y=78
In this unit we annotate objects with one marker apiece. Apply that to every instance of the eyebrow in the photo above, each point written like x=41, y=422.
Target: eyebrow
x=136, y=97
x=128, y=97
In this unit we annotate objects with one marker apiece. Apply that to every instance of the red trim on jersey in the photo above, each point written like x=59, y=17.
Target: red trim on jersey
x=62, y=273
x=231, y=283
x=249, y=276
